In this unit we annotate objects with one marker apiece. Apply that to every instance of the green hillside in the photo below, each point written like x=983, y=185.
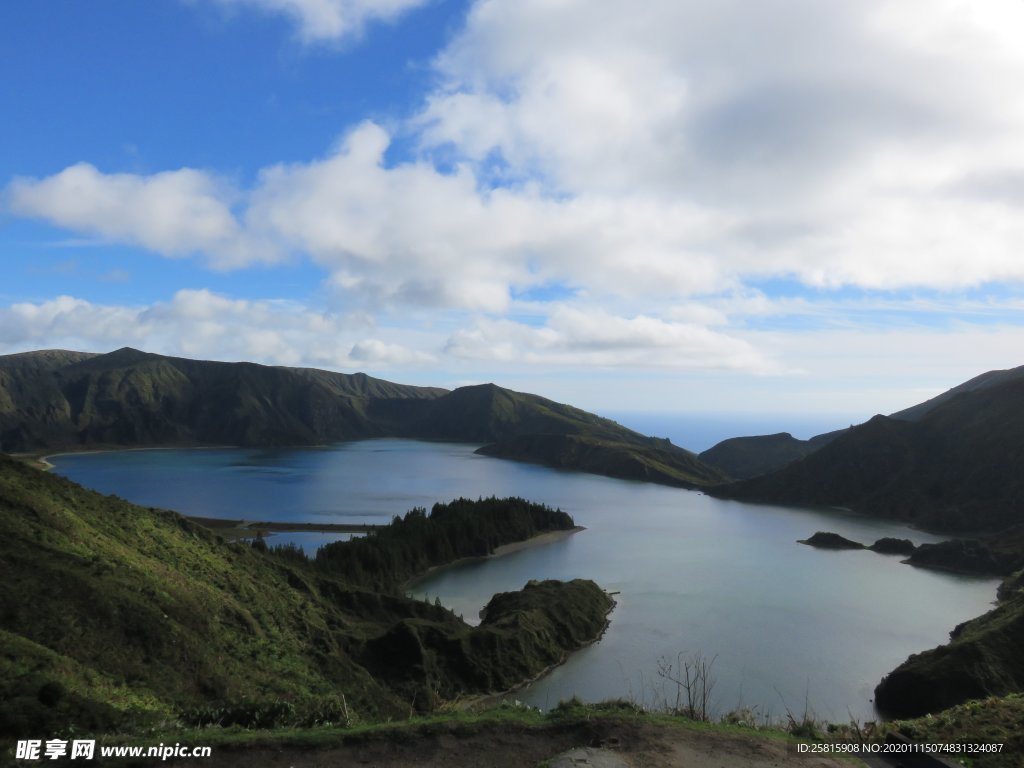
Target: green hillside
x=982, y=659
x=128, y=398
x=744, y=457
x=57, y=400
x=652, y=460
x=959, y=468
x=114, y=614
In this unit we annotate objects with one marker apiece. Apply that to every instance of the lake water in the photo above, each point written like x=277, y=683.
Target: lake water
x=787, y=623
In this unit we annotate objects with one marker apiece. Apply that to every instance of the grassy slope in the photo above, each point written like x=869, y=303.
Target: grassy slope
x=157, y=610
x=54, y=400
x=745, y=457
x=515, y=735
x=960, y=468
x=61, y=400
x=994, y=720
x=139, y=613
x=525, y=427
x=655, y=461
x=982, y=659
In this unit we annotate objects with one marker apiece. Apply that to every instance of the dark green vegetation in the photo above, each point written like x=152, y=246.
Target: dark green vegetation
x=957, y=555
x=652, y=460
x=977, y=384
x=959, y=468
x=994, y=720
x=507, y=736
x=512, y=736
x=413, y=544
x=829, y=540
x=745, y=457
x=890, y=546
x=966, y=556
x=56, y=400
x=982, y=659
x=125, y=398
x=954, y=463
x=114, y=615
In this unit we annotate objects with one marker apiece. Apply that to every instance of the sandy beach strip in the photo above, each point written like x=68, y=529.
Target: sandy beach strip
x=547, y=537
x=540, y=538
x=247, y=529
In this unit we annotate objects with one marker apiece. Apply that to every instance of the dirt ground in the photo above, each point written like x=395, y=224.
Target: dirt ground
x=640, y=745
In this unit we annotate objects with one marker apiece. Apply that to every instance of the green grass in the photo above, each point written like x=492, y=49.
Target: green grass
x=134, y=615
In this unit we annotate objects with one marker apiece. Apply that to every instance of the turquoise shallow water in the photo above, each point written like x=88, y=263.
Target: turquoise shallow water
x=786, y=623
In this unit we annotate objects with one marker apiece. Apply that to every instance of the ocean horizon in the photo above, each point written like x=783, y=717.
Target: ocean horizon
x=699, y=431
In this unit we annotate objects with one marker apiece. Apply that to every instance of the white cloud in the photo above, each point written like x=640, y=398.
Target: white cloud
x=175, y=213
x=327, y=20
x=202, y=324
x=817, y=138
x=378, y=352
x=652, y=161
x=683, y=149
x=594, y=338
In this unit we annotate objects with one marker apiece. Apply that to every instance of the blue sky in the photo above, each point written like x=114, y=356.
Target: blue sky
x=780, y=207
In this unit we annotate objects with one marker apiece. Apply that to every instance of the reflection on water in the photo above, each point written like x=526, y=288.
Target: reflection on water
x=694, y=574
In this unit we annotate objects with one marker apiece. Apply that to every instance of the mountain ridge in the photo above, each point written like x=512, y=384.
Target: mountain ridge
x=59, y=400
x=114, y=614
x=959, y=468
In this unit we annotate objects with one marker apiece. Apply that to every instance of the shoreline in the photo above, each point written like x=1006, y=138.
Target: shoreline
x=234, y=529
x=547, y=537
x=488, y=699
x=42, y=460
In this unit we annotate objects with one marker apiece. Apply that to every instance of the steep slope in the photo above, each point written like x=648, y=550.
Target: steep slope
x=745, y=457
x=113, y=613
x=960, y=468
x=45, y=359
x=128, y=397
x=525, y=427
x=982, y=659
x=655, y=461
x=60, y=400
x=983, y=381
x=487, y=413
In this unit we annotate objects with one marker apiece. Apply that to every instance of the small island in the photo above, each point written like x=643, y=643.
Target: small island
x=829, y=540
x=232, y=632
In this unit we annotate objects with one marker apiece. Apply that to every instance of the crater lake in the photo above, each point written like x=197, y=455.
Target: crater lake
x=789, y=627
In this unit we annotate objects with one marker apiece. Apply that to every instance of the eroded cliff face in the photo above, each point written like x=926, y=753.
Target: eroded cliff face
x=982, y=659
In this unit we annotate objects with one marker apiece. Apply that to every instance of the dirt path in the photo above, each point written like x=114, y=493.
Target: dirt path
x=640, y=744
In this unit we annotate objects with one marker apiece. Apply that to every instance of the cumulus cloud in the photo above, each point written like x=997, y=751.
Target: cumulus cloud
x=818, y=139
x=329, y=20
x=577, y=337
x=634, y=157
x=202, y=324
x=175, y=213
x=680, y=150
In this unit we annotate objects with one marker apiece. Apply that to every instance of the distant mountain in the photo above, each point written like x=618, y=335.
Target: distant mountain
x=128, y=398
x=744, y=457
x=984, y=381
x=656, y=461
x=959, y=467
x=57, y=400
x=45, y=359
x=750, y=456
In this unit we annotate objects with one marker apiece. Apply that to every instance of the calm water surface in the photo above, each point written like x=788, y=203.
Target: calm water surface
x=787, y=622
